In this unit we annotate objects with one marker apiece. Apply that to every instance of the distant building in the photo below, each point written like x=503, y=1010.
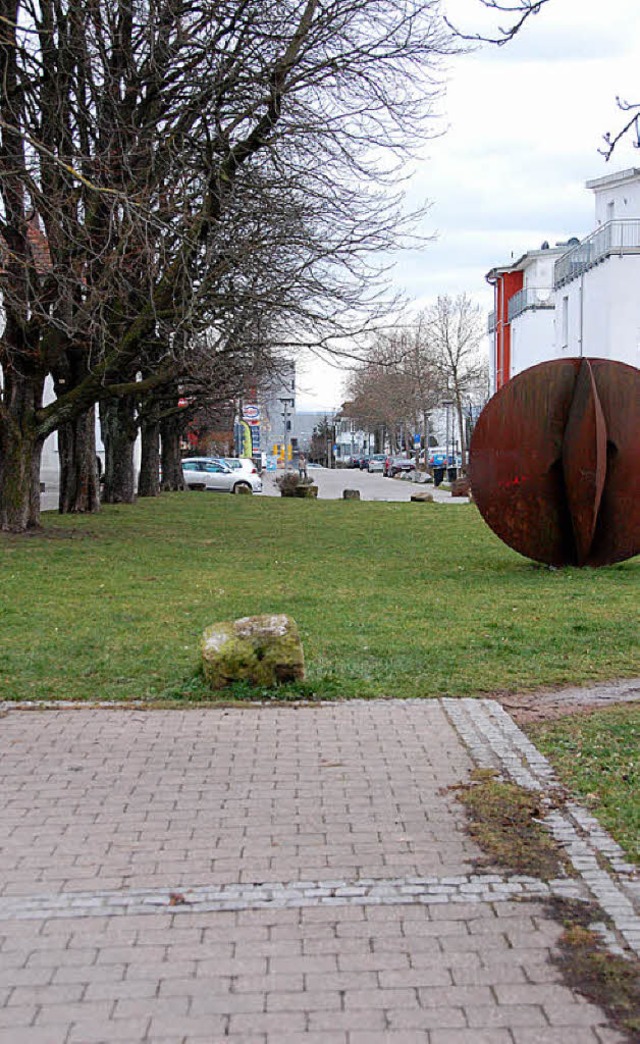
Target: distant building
x=305, y=423
x=351, y=438
x=576, y=298
x=277, y=400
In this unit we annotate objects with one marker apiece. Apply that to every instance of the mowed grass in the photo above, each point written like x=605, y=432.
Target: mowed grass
x=392, y=600
x=598, y=756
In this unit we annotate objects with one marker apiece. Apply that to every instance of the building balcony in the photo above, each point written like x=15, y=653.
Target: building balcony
x=491, y=322
x=621, y=236
x=530, y=297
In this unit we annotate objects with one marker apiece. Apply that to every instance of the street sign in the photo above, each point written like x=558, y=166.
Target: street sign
x=416, y=441
x=251, y=412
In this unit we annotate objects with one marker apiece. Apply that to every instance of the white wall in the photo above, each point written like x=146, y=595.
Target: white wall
x=625, y=199
x=532, y=338
x=609, y=327
x=539, y=274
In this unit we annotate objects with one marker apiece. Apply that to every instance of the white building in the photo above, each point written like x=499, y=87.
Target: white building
x=577, y=298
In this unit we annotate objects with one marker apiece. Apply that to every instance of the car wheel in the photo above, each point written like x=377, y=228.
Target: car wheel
x=242, y=487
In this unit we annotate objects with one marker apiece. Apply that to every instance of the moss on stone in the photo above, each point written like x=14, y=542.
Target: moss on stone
x=263, y=650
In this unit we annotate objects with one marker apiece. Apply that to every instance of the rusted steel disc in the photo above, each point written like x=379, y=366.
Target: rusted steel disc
x=554, y=462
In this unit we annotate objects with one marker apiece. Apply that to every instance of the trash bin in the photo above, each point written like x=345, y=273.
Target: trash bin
x=438, y=476
x=452, y=474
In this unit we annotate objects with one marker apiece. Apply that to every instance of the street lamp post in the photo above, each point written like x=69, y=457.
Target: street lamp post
x=286, y=403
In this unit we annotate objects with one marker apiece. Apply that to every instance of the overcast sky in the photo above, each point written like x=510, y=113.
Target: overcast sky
x=523, y=127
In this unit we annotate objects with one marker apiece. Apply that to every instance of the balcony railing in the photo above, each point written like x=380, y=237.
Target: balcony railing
x=530, y=297
x=491, y=322
x=621, y=236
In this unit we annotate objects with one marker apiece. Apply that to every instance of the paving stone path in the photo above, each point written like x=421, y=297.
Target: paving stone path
x=280, y=874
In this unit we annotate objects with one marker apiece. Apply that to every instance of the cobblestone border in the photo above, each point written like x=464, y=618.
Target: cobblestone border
x=495, y=741
x=473, y=888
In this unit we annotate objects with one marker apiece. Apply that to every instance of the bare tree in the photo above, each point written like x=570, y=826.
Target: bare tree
x=399, y=385
x=168, y=150
x=454, y=330
x=381, y=396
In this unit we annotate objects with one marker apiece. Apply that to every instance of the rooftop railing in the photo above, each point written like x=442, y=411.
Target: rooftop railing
x=530, y=297
x=620, y=236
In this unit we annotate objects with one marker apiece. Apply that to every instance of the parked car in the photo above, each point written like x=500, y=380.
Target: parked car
x=359, y=460
x=376, y=462
x=244, y=464
x=211, y=473
x=398, y=464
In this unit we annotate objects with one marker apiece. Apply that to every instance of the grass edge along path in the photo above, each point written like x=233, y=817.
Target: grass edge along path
x=504, y=820
x=597, y=756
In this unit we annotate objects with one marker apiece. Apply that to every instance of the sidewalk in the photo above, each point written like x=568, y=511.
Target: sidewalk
x=279, y=874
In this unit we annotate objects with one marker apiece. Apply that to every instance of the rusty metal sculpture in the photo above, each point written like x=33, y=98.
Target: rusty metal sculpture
x=555, y=462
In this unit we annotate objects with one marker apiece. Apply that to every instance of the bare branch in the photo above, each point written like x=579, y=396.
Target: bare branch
x=520, y=11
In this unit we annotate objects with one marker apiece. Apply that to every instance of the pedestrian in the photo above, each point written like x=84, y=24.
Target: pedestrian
x=302, y=466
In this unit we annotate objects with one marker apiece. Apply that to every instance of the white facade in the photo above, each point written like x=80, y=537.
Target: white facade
x=531, y=310
x=579, y=298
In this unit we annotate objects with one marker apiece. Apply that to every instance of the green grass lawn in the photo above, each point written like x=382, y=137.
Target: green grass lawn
x=598, y=756
x=391, y=600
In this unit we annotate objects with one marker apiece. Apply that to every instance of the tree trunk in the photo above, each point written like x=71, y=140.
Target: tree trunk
x=119, y=433
x=79, y=480
x=149, y=481
x=172, y=479
x=20, y=453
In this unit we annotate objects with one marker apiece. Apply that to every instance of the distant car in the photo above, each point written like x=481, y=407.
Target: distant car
x=211, y=473
x=376, y=462
x=398, y=464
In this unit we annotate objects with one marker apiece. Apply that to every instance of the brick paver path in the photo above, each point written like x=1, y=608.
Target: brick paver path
x=262, y=874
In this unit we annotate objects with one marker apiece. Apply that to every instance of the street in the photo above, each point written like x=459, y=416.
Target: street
x=330, y=483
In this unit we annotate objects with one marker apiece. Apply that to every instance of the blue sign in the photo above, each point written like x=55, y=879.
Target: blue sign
x=416, y=441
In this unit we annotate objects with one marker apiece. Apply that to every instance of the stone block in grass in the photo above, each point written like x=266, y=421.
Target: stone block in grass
x=263, y=650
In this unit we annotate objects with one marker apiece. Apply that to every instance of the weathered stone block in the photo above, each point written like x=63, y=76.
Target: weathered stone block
x=422, y=497
x=460, y=487
x=264, y=650
x=351, y=494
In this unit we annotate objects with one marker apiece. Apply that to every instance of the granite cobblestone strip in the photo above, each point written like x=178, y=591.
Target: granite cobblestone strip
x=495, y=741
x=473, y=888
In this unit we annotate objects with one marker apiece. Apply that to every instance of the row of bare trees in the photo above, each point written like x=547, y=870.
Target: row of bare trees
x=185, y=184
x=413, y=369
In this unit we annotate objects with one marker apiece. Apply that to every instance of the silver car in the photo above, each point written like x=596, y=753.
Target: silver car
x=376, y=462
x=210, y=473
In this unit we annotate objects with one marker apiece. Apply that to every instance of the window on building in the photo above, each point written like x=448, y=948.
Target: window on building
x=565, y=322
